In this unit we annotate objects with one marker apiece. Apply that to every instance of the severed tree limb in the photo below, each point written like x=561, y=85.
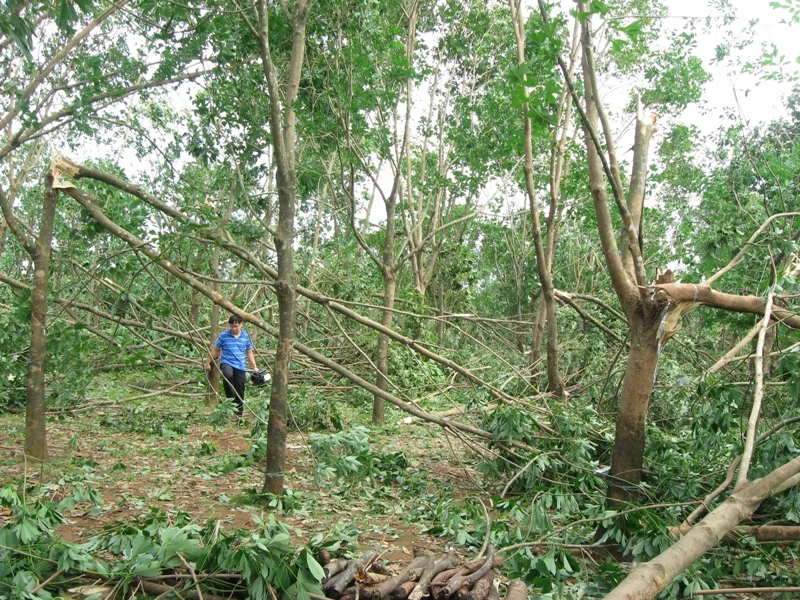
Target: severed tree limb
x=90, y=203
x=647, y=580
x=78, y=171
x=758, y=397
x=756, y=590
x=705, y=294
x=761, y=533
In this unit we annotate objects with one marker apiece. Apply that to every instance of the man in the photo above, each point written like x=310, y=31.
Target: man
x=231, y=348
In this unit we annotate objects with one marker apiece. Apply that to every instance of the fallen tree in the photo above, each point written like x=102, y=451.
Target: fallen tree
x=648, y=579
x=70, y=169
x=92, y=206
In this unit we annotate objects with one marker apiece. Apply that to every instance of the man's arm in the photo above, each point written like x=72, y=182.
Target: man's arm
x=213, y=355
x=251, y=355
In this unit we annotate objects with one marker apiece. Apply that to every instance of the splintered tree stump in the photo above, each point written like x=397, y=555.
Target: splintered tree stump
x=517, y=590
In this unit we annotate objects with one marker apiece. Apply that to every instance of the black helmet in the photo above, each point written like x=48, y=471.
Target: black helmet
x=259, y=378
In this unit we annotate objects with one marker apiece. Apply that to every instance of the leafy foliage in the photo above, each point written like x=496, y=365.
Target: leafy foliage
x=149, y=547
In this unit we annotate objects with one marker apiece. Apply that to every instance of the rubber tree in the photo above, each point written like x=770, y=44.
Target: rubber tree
x=38, y=248
x=35, y=92
x=544, y=243
x=282, y=124
x=652, y=308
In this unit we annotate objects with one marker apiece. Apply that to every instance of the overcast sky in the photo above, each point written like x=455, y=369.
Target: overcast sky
x=754, y=99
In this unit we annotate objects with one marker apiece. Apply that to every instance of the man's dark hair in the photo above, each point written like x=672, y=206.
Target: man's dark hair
x=234, y=319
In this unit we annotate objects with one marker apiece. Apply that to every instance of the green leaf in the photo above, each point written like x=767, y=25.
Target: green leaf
x=314, y=567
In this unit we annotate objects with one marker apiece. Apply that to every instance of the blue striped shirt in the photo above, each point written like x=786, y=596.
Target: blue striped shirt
x=234, y=350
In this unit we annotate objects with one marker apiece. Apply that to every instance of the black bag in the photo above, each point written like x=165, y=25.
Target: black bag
x=259, y=378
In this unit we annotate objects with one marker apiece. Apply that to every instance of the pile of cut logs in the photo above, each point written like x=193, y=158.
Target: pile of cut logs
x=426, y=576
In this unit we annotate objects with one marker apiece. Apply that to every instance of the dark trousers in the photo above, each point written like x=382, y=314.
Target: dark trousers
x=233, y=381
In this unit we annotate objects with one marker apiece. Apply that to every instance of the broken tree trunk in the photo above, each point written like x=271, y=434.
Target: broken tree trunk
x=649, y=579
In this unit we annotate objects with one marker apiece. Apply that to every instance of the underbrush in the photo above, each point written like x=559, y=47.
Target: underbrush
x=159, y=552
x=160, y=463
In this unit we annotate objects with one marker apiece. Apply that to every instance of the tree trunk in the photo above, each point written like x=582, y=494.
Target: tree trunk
x=282, y=128
x=212, y=392
x=554, y=383
x=634, y=400
x=390, y=285
x=35, y=428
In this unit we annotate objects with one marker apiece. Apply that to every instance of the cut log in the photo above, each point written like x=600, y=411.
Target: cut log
x=337, y=584
x=379, y=567
x=369, y=578
x=334, y=567
x=459, y=581
x=517, y=590
x=480, y=590
x=432, y=568
x=439, y=582
x=402, y=592
x=412, y=572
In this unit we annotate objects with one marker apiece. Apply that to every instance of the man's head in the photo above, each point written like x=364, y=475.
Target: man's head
x=235, y=321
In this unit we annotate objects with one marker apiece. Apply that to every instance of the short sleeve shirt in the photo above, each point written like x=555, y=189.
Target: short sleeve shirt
x=234, y=350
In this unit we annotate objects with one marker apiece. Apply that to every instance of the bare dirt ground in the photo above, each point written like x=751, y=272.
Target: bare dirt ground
x=206, y=472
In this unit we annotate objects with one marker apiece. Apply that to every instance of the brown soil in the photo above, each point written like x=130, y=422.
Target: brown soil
x=134, y=473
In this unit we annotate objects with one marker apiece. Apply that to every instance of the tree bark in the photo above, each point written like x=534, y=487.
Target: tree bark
x=282, y=128
x=35, y=392
x=634, y=400
x=382, y=362
x=554, y=382
x=705, y=294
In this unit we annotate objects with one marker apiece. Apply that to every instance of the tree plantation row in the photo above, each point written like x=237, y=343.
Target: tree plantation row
x=438, y=213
